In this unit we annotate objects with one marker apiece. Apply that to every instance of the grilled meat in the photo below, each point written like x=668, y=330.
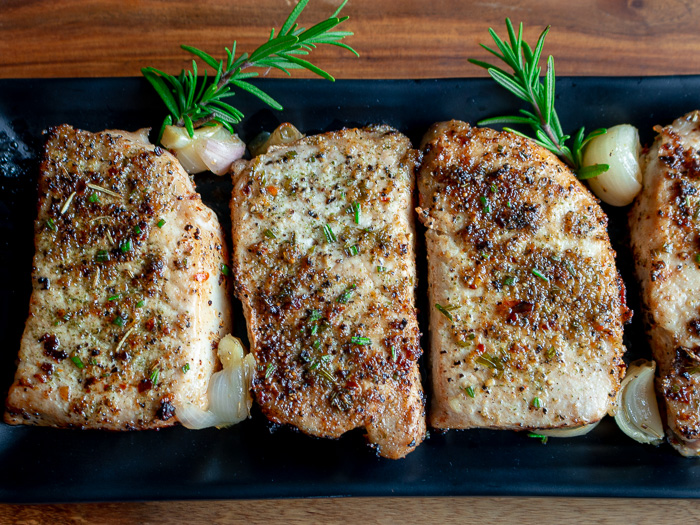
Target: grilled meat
x=666, y=243
x=128, y=297
x=527, y=307
x=324, y=262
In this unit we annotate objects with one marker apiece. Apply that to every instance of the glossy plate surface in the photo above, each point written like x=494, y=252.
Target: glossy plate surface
x=249, y=460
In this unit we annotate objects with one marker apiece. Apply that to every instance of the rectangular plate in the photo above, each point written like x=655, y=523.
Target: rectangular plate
x=249, y=460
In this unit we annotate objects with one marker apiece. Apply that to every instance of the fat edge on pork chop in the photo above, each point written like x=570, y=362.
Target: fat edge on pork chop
x=324, y=262
x=128, y=299
x=527, y=307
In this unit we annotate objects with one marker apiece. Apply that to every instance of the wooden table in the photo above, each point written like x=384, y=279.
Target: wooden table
x=407, y=39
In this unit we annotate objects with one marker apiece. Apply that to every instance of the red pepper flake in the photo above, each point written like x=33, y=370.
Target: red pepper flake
x=272, y=190
x=145, y=385
x=201, y=276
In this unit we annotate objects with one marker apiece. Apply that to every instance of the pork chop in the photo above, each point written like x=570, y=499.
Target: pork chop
x=665, y=234
x=323, y=244
x=128, y=297
x=527, y=306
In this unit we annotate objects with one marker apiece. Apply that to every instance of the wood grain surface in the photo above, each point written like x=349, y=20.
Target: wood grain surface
x=396, y=39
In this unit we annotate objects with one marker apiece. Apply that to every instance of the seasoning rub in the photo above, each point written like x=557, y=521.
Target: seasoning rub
x=335, y=339
x=526, y=328
x=127, y=295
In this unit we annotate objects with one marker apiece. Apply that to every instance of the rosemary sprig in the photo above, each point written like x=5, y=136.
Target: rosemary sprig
x=525, y=84
x=194, y=102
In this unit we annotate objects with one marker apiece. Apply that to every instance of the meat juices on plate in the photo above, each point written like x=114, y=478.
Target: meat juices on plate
x=128, y=299
x=526, y=304
x=324, y=262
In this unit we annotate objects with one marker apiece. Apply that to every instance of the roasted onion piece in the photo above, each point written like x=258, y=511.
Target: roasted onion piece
x=212, y=148
x=638, y=412
x=228, y=393
x=568, y=432
x=619, y=148
x=284, y=134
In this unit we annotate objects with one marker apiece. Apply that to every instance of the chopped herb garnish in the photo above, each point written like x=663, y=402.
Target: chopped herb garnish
x=538, y=436
x=393, y=354
x=570, y=268
x=270, y=370
x=119, y=321
x=327, y=375
x=494, y=188
x=472, y=336
x=94, y=198
x=353, y=250
x=113, y=297
x=225, y=269
x=470, y=391
x=103, y=190
x=328, y=232
x=489, y=361
x=94, y=362
x=510, y=281
x=137, y=230
x=102, y=256
x=155, y=373
x=344, y=297
x=509, y=205
x=269, y=234
x=536, y=402
x=551, y=352
x=314, y=329
x=77, y=362
x=291, y=154
x=539, y=274
x=445, y=310
x=51, y=225
x=381, y=269
x=65, y=206
x=315, y=316
x=361, y=340
x=185, y=368
x=316, y=343
x=697, y=258
x=140, y=304
x=485, y=202
x=356, y=211
x=125, y=246
x=161, y=223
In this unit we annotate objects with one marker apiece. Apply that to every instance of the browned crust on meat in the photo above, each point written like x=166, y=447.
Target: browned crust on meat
x=336, y=342
x=665, y=241
x=105, y=345
x=520, y=260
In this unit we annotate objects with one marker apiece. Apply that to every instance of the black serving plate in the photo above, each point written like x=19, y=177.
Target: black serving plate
x=251, y=460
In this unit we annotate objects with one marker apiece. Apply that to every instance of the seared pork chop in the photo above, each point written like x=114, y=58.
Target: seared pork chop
x=665, y=234
x=324, y=263
x=128, y=297
x=527, y=307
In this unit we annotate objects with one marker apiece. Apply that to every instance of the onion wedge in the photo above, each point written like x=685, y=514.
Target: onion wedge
x=619, y=148
x=638, y=413
x=228, y=393
x=212, y=148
